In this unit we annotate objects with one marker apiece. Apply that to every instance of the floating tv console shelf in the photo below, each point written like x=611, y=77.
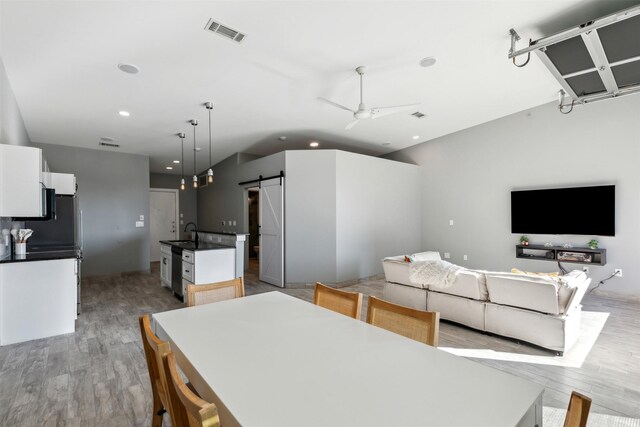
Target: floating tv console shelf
x=562, y=254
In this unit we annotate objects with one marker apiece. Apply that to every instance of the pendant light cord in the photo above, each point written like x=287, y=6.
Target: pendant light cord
x=210, y=164
x=182, y=155
x=194, y=149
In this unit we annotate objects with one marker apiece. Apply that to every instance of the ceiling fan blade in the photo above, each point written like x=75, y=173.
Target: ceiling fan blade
x=385, y=111
x=352, y=124
x=335, y=104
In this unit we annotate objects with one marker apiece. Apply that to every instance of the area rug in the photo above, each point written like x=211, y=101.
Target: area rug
x=554, y=417
x=590, y=328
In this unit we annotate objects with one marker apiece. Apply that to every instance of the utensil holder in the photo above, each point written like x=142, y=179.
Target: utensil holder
x=21, y=248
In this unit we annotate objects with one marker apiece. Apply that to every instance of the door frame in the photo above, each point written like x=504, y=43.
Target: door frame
x=177, y=213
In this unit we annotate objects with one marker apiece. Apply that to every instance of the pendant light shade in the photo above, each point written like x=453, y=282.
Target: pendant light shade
x=194, y=123
x=209, y=106
x=181, y=135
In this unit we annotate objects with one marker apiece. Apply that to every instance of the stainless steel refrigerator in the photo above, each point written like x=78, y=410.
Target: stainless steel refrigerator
x=61, y=234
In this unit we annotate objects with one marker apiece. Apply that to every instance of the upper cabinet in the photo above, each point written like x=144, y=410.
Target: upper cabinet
x=20, y=181
x=63, y=183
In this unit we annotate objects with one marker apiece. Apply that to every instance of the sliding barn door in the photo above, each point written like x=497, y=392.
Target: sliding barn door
x=272, y=231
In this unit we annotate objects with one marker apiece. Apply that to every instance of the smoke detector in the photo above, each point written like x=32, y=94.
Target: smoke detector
x=223, y=30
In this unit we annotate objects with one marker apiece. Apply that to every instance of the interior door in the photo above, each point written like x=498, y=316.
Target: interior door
x=271, y=231
x=162, y=218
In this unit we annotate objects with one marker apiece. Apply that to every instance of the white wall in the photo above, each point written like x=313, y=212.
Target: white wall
x=310, y=216
x=468, y=176
x=377, y=213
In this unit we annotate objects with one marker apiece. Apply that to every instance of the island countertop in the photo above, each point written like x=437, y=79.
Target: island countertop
x=190, y=245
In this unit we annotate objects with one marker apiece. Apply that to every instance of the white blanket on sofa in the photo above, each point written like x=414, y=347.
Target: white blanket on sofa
x=437, y=273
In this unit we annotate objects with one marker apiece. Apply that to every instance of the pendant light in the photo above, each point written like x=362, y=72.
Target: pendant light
x=209, y=106
x=194, y=123
x=181, y=135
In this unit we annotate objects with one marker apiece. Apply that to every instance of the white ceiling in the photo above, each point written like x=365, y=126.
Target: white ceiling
x=61, y=58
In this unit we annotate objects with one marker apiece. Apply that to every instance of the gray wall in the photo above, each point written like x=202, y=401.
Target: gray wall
x=468, y=176
x=113, y=190
x=187, y=198
x=12, y=129
x=310, y=216
x=377, y=213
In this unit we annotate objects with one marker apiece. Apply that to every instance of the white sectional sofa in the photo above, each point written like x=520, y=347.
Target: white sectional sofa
x=541, y=310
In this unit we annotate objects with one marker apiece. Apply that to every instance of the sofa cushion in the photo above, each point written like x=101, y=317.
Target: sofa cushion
x=520, y=290
x=426, y=256
x=397, y=271
x=468, y=284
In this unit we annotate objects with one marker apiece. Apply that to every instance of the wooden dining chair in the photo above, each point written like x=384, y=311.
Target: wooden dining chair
x=214, y=292
x=154, y=350
x=189, y=409
x=578, y=410
x=343, y=302
x=418, y=325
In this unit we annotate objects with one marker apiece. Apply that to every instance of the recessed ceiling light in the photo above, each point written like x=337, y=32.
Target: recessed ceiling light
x=106, y=139
x=176, y=161
x=282, y=138
x=416, y=136
x=129, y=68
x=198, y=148
x=314, y=144
x=170, y=167
x=386, y=144
x=124, y=113
x=428, y=61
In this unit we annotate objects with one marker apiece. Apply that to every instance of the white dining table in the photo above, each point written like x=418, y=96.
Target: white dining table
x=275, y=360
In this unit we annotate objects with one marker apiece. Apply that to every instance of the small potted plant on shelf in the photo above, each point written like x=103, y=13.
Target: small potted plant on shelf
x=524, y=241
x=593, y=244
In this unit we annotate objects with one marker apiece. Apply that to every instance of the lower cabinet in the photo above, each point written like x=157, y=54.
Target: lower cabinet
x=207, y=266
x=39, y=299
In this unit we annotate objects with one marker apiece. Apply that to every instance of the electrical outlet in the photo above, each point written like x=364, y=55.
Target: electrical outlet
x=450, y=222
x=224, y=223
x=617, y=272
x=447, y=255
x=585, y=269
x=465, y=257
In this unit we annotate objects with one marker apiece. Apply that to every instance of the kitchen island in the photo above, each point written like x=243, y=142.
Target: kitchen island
x=187, y=262
x=38, y=295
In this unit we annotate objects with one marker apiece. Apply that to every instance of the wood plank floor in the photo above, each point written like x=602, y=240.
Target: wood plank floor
x=98, y=375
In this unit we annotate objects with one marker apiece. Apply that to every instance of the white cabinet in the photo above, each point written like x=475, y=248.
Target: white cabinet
x=165, y=266
x=207, y=266
x=39, y=299
x=20, y=177
x=63, y=183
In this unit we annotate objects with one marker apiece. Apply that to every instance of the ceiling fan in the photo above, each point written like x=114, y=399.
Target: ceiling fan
x=367, y=113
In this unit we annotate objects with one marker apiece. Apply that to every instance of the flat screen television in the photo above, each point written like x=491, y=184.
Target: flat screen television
x=579, y=210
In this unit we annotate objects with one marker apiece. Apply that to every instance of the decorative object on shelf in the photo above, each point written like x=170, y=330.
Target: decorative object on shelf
x=567, y=246
x=194, y=123
x=524, y=241
x=181, y=135
x=593, y=244
x=548, y=245
x=209, y=106
x=574, y=256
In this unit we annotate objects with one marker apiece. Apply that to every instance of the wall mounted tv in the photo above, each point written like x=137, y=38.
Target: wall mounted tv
x=579, y=210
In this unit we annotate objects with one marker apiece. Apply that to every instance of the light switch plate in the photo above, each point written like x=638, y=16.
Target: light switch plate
x=139, y=224
x=450, y=222
x=465, y=257
x=141, y=217
x=224, y=223
x=181, y=215
x=447, y=255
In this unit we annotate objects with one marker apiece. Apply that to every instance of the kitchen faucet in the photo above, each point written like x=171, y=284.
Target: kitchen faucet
x=195, y=230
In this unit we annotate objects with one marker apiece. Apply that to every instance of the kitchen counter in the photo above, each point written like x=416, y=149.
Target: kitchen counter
x=225, y=233
x=39, y=256
x=190, y=245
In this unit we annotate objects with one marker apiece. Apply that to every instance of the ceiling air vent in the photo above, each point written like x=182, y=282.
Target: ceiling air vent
x=108, y=144
x=223, y=30
x=418, y=115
